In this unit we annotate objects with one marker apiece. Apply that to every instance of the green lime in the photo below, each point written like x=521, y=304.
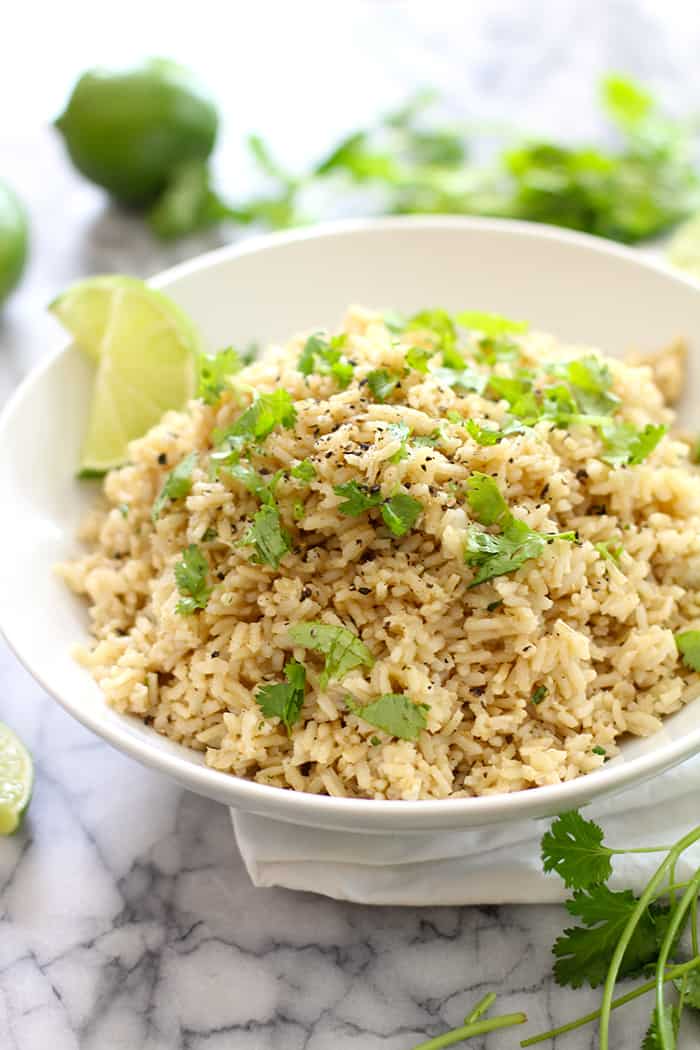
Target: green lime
x=148, y=353
x=16, y=780
x=129, y=131
x=14, y=239
x=684, y=246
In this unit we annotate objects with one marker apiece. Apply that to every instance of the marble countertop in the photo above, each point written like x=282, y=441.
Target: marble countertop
x=127, y=921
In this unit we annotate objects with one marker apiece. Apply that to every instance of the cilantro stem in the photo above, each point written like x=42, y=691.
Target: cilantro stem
x=481, y=1007
x=694, y=926
x=677, y=918
x=642, y=904
x=469, y=1030
x=642, y=849
x=648, y=986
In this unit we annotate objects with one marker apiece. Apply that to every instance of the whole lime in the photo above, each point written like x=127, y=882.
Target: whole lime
x=130, y=130
x=14, y=239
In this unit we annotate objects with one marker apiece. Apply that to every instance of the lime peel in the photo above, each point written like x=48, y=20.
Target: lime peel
x=16, y=780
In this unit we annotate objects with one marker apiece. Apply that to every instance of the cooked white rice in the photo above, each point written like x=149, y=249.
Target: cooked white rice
x=596, y=634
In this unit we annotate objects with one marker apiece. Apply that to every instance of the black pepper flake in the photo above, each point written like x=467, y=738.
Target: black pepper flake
x=545, y=490
x=598, y=508
x=306, y=592
x=365, y=590
x=215, y=653
x=478, y=690
x=582, y=474
x=221, y=575
x=163, y=459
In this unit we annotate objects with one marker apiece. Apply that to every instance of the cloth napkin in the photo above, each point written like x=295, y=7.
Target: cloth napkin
x=492, y=865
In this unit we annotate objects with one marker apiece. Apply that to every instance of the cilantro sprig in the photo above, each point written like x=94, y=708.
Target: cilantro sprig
x=268, y=537
x=399, y=512
x=621, y=934
x=393, y=713
x=214, y=372
x=254, y=425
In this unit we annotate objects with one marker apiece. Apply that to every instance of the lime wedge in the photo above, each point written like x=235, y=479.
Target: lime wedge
x=16, y=780
x=684, y=247
x=147, y=351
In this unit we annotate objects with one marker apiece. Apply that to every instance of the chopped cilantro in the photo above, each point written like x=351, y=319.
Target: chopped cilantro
x=492, y=435
x=298, y=510
x=358, y=498
x=304, y=471
x=267, y=535
x=214, y=371
x=209, y=535
x=598, y=750
x=260, y=486
x=490, y=325
x=461, y=379
x=608, y=550
x=381, y=384
x=485, y=499
x=255, y=424
x=454, y=417
x=402, y=433
x=284, y=700
x=123, y=509
x=626, y=445
x=191, y=579
x=688, y=643
x=374, y=740
x=341, y=647
x=443, y=334
x=393, y=713
x=177, y=485
x=427, y=440
x=325, y=357
x=492, y=606
x=418, y=357
x=538, y=694
x=496, y=555
x=401, y=512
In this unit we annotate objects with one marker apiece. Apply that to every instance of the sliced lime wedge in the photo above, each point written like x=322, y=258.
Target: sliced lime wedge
x=684, y=247
x=16, y=780
x=147, y=351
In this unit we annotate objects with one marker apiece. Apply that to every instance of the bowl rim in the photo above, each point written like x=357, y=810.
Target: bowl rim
x=325, y=810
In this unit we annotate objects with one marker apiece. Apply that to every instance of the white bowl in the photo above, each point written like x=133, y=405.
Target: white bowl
x=583, y=289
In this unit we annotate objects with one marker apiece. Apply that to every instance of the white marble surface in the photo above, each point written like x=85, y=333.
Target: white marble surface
x=126, y=919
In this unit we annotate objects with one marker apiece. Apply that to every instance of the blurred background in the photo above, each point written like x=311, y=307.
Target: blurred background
x=302, y=76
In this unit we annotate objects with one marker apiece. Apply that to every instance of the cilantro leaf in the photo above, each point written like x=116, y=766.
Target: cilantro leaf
x=284, y=700
x=461, y=379
x=402, y=433
x=442, y=332
x=669, y=1022
x=427, y=440
x=692, y=989
x=583, y=953
x=341, y=647
x=688, y=643
x=573, y=848
x=358, y=498
x=267, y=535
x=626, y=445
x=490, y=325
x=499, y=555
x=381, y=383
x=325, y=357
x=401, y=512
x=538, y=694
x=257, y=422
x=418, y=357
x=213, y=372
x=177, y=485
x=485, y=499
x=492, y=435
x=191, y=579
x=262, y=487
x=304, y=471
x=395, y=714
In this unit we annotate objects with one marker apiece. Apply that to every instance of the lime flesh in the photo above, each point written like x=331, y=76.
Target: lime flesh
x=16, y=780
x=684, y=247
x=147, y=352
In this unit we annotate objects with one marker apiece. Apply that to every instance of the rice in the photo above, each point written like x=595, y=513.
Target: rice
x=529, y=678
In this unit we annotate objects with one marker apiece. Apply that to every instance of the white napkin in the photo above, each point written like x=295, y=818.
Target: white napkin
x=494, y=865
